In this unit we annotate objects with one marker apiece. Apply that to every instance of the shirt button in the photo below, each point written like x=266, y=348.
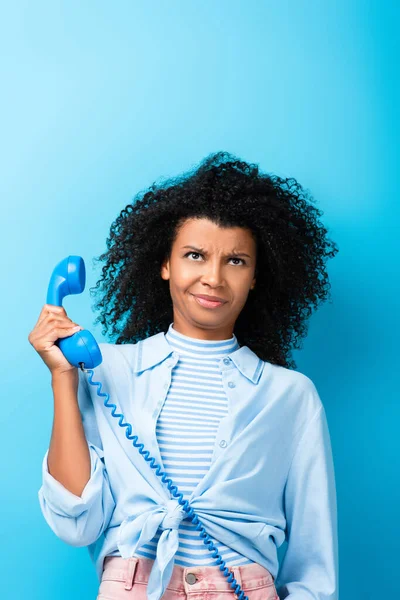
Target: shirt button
x=226, y=361
x=231, y=384
x=223, y=444
x=191, y=578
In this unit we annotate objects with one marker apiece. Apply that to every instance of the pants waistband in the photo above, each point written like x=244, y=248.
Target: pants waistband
x=186, y=579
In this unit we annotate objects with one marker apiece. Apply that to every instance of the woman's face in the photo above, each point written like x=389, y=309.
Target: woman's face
x=207, y=259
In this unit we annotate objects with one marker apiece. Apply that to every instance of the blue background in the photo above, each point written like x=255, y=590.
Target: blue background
x=100, y=99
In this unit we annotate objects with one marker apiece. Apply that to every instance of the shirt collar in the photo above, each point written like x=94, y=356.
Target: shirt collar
x=155, y=349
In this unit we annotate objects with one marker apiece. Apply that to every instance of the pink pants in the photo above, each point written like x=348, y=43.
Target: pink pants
x=127, y=578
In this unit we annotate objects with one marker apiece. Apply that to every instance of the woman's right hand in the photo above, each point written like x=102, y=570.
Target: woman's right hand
x=52, y=324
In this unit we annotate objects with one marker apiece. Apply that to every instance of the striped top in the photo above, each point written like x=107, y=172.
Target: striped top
x=186, y=430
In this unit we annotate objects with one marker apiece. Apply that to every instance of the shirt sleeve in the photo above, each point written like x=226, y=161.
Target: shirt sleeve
x=309, y=569
x=80, y=520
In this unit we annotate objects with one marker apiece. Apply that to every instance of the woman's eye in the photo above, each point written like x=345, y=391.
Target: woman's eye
x=188, y=253
x=198, y=254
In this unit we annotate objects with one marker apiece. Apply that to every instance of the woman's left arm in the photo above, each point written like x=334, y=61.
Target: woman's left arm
x=309, y=569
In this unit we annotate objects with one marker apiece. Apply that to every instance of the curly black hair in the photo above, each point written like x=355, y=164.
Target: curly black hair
x=292, y=247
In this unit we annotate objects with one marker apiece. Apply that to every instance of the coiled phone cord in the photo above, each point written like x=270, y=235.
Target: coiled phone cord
x=171, y=487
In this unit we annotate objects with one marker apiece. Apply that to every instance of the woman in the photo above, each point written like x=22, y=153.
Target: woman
x=208, y=283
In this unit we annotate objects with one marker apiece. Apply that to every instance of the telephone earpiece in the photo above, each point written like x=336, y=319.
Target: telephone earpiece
x=69, y=277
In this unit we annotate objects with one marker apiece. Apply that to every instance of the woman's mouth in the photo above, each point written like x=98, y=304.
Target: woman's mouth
x=207, y=303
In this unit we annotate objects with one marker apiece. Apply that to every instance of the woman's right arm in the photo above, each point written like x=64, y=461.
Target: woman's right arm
x=76, y=511
x=75, y=496
x=69, y=457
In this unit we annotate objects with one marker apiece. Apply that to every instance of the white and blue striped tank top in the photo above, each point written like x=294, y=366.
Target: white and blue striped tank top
x=186, y=429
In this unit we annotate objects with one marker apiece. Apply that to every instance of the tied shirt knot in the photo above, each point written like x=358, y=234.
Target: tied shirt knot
x=174, y=515
x=140, y=528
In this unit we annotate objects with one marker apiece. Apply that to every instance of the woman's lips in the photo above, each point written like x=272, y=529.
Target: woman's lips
x=207, y=303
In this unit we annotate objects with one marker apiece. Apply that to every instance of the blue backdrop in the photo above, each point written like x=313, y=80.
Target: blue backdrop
x=100, y=99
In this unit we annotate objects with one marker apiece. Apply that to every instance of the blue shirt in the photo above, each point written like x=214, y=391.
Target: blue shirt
x=270, y=477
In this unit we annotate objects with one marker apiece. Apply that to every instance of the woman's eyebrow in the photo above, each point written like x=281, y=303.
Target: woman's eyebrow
x=205, y=251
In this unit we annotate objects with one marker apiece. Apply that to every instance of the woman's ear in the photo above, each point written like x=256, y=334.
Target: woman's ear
x=164, y=272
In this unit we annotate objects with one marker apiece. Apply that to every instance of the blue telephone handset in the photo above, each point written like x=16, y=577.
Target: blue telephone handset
x=69, y=277
x=82, y=351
